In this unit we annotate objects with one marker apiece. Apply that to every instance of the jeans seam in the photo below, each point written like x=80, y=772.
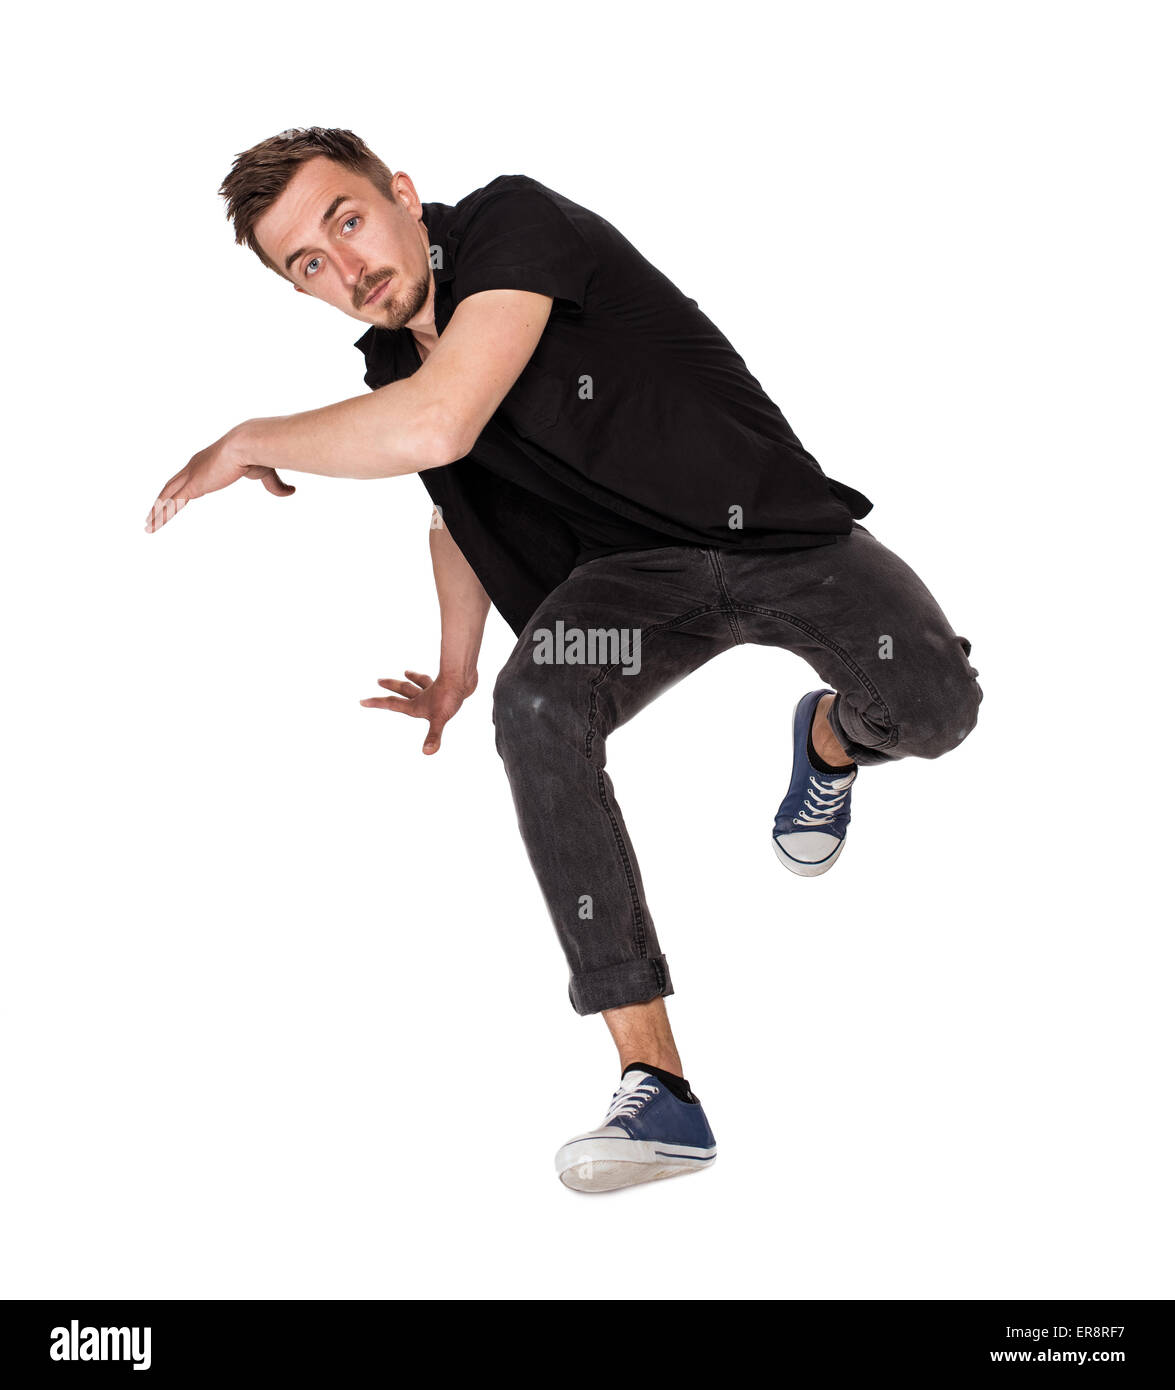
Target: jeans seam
x=646, y=633
x=638, y=917
x=839, y=651
x=726, y=607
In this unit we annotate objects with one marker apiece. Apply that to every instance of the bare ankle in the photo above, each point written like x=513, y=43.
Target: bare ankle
x=641, y=1033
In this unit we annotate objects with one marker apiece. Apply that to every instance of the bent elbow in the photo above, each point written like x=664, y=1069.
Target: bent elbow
x=424, y=449
x=449, y=447
x=443, y=440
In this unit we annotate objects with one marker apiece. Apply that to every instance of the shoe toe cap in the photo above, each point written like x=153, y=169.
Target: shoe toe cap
x=808, y=846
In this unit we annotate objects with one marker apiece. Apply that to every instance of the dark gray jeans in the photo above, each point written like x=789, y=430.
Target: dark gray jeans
x=643, y=620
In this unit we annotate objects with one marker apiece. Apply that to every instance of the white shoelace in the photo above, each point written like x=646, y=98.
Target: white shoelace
x=629, y=1098
x=831, y=797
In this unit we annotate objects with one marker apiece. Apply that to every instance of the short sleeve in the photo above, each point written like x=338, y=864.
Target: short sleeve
x=518, y=238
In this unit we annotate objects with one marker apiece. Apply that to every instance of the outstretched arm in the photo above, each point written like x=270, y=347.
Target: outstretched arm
x=427, y=420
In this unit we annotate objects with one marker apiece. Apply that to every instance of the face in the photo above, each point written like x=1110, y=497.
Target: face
x=334, y=236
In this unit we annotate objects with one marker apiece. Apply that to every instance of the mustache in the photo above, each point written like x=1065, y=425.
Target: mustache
x=370, y=288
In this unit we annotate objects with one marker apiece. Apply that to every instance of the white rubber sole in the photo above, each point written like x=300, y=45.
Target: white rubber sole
x=797, y=866
x=602, y=1165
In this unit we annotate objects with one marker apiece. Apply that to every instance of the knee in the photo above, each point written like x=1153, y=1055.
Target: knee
x=507, y=710
x=946, y=708
x=520, y=706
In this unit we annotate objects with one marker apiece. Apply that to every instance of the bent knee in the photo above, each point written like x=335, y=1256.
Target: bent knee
x=947, y=712
x=522, y=706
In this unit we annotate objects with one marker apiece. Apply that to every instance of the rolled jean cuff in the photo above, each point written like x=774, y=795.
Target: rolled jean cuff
x=860, y=753
x=632, y=982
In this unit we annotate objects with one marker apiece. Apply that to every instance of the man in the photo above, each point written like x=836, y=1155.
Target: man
x=609, y=475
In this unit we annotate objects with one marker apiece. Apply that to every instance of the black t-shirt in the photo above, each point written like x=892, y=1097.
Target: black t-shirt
x=634, y=418
x=597, y=530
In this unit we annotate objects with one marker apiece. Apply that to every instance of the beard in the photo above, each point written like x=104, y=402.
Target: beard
x=400, y=306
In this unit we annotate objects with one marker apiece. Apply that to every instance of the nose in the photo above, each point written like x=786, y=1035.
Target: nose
x=352, y=267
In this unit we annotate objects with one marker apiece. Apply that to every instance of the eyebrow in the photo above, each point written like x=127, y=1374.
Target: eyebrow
x=326, y=217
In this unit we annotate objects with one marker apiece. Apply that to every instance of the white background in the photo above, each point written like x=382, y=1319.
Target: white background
x=283, y=1011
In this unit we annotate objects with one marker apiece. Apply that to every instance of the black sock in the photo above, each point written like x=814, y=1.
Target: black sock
x=678, y=1085
x=818, y=762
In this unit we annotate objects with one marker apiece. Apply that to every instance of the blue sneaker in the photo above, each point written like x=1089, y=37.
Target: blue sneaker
x=813, y=818
x=647, y=1134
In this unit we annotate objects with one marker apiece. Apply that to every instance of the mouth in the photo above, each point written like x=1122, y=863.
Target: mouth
x=377, y=293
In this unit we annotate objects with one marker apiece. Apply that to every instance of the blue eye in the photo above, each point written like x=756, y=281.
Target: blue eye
x=307, y=271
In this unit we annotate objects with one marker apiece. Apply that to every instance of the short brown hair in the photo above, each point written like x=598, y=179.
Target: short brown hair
x=259, y=175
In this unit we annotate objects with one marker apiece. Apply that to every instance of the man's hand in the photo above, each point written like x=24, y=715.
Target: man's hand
x=210, y=470
x=437, y=701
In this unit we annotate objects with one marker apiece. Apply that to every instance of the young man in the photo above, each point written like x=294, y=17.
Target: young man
x=609, y=475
